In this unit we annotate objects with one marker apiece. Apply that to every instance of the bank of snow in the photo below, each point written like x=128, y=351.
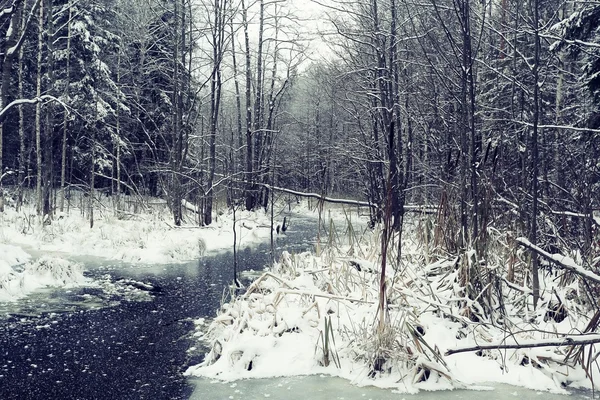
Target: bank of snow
x=317, y=315
x=19, y=276
x=137, y=238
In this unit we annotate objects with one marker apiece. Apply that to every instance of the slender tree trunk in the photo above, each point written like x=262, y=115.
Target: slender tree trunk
x=92, y=176
x=118, y=140
x=464, y=128
x=238, y=106
x=49, y=125
x=257, y=127
x=7, y=63
x=38, y=112
x=218, y=36
x=385, y=240
x=63, y=164
x=20, y=93
x=177, y=151
x=475, y=145
x=534, y=153
x=267, y=150
x=249, y=176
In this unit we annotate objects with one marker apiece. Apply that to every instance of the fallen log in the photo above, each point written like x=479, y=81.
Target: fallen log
x=321, y=197
x=425, y=209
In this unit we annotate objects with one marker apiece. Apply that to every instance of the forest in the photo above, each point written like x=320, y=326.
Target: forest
x=482, y=115
x=486, y=112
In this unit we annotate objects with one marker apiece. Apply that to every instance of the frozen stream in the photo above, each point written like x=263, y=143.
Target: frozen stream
x=86, y=344
x=328, y=388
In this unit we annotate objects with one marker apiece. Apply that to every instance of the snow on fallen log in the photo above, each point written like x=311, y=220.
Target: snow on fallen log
x=570, y=340
x=562, y=261
x=321, y=197
x=594, y=218
x=427, y=209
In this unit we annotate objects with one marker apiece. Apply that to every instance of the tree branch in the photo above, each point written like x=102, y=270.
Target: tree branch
x=35, y=100
x=562, y=261
x=320, y=197
x=576, y=340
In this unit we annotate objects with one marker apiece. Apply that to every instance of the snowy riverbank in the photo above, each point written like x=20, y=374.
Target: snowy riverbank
x=135, y=238
x=317, y=315
x=145, y=238
x=20, y=276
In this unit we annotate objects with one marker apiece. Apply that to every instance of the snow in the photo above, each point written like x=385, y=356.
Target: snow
x=135, y=238
x=317, y=313
x=16, y=283
x=314, y=314
x=562, y=261
x=144, y=238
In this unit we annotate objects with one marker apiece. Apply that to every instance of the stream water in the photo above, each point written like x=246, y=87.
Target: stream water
x=94, y=343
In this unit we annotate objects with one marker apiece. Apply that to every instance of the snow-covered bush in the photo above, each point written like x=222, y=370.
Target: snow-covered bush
x=318, y=314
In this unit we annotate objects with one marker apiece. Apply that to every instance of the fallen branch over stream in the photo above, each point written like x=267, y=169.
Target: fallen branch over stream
x=572, y=340
x=321, y=197
x=426, y=209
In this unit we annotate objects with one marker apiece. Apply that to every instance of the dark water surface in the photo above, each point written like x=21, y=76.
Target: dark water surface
x=77, y=344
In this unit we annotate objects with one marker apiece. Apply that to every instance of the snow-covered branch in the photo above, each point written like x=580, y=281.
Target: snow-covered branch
x=35, y=100
x=428, y=209
x=571, y=340
x=562, y=261
x=576, y=215
x=14, y=49
x=2, y=176
x=8, y=10
x=559, y=127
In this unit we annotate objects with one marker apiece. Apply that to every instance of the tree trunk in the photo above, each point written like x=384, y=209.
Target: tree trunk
x=63, y=164
x=49, y=125
x=218, y=38
x=177, y=150
x=249, y=176
x=21, y=158
x=7, y=63
x=238, y=107
x=534, y=154
x=38, y=112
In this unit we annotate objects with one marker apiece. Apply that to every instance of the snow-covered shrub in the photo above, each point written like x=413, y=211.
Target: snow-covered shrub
x=318, y=314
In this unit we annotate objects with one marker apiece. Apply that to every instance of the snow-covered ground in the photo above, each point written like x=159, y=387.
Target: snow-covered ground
x=135, y=238
x=318, y=315
x=146, y=238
